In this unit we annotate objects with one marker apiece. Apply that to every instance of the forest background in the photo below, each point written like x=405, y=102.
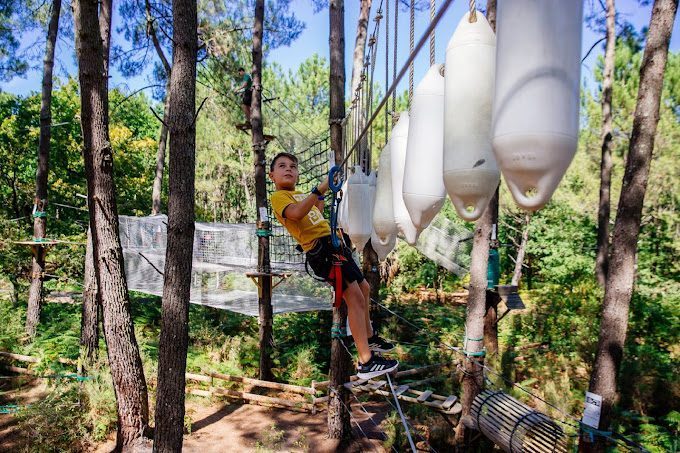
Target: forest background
x=562, y=294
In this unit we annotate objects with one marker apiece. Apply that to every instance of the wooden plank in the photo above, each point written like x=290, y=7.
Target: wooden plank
x=20, y=357
x=198, y=377
x=424, y=396
x=449, y=402
x=263, y=399
x=401, y=389
x=265, y=384
x=199, y=392
x=377, y=385
x=16, y=369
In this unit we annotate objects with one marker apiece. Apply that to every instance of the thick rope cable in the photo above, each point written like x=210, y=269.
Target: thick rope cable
x=394, y=61
x=411, y=39
x=432, y=11
x=473, y=12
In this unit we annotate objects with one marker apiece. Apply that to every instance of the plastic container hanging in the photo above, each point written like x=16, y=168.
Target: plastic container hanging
x=424, y=192
x=398, y=143
x=536, y=106
x=383, y=211
x=382, y=250
x=359, y=225
x=470, y=171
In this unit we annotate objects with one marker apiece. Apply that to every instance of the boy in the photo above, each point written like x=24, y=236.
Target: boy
x=302, y=215
x=246, y=88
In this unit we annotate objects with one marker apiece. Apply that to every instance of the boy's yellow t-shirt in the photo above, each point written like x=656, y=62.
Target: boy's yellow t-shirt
x=306, y=230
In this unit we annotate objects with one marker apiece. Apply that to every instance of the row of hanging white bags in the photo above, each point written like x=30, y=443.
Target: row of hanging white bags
x=512, y=106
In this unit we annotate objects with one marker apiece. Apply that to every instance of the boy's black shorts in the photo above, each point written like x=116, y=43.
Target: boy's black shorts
x=320, y=259
x=247, y=97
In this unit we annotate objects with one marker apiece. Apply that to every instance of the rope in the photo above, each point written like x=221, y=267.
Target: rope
x=411, y=38
x=391, y=90
x=387, y=61
x=394, y=60
x=432, y=11
x=473, y=12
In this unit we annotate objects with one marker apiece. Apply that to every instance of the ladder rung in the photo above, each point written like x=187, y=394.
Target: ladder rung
x=401, y=389
x=449, y=402
x=425, y=395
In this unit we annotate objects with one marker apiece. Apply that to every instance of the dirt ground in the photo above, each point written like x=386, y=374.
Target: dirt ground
x=224, y=427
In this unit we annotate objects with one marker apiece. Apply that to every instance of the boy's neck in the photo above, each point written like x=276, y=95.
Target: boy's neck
x=285, y=188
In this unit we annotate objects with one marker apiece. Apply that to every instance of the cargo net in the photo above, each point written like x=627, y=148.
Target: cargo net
x=515, y=427
x=223, y=254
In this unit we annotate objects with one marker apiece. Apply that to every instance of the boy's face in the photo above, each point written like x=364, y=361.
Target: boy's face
x=285, y=173
x=240, y=73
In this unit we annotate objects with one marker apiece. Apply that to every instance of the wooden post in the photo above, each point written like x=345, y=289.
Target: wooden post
x=263, y=225
x=338, y=416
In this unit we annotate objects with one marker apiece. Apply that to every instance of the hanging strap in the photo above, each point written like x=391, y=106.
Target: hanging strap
x=432, y=11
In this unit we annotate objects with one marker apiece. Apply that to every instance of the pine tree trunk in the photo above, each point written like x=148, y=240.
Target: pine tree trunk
x=621, y=273
x=89, y=321
x=603, y=213
x=174, y=338
x=490, y=217
x=157, y=189
x=123, y=353
x=338, y=415
x=473, y=380
x=35, y=293
x=521, y=251
x=360, y=44
x=371, y=270
x=266, y=334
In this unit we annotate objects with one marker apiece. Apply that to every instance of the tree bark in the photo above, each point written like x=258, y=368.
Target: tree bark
x=473, y=379
x=604, y=209
x=162, y=141
x=338, y=415
x=174, y=337
x=35, y=293
x=266, y=334
x=621, y=273
x=360, y=44
x=521, y=251
x=123, y=353
x=89, y=320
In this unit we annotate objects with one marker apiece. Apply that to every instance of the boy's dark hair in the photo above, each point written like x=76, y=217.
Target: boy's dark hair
x=280, y=155
x=240, y=69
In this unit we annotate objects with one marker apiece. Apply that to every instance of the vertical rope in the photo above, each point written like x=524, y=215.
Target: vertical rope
x=432, y=11
x=387, y=63
x=473, y=12
x=394, y=60
x=411, y=45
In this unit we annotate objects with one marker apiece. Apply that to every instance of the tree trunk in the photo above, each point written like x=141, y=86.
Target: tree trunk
x=473, y=379
x=338, y=415
x=39, y=220
x=621, y=273
x=123, y=352
x=360, y=44
x=259, y=145
x=521, y=251
x=491, y=219
x=371, y=270
x=603, y=213
x=89, y=321
x=162, y=141
x=174, y=337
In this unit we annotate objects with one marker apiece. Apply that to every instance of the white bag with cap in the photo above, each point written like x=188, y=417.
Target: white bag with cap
x=359, y=225
x=383, y=212
x=398, y=143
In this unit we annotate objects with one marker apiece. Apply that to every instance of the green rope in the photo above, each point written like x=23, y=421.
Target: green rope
x=39, y=240
x=9, y=409
x=475, y=339
x=39, y=214
x=481, y=353
x=338, y=331
x=263, y=233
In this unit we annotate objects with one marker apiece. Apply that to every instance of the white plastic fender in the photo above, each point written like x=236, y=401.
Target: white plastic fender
x=424, y=192
x=382, y=250
x=372, y=179
x=470, y=171
x=536, y=106
x=398, y=143
x=383, y=211
x=359, y=225
x=342, y=207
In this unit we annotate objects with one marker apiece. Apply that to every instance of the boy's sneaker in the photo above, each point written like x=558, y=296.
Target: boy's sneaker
x=377, y=366
x=377, y=344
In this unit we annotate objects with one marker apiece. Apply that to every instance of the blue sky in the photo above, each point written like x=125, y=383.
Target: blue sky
x=314, y=39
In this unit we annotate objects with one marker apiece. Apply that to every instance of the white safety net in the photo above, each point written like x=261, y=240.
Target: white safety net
x=223, y=254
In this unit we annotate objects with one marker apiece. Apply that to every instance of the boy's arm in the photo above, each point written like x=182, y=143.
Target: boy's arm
x=296, y=211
